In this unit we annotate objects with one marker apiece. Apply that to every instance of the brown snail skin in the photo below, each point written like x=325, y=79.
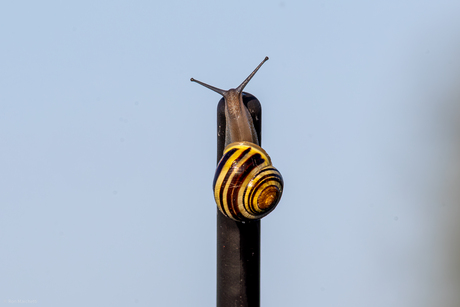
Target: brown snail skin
x=246, y=185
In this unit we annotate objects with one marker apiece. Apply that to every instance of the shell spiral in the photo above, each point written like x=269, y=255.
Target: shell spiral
x=246, y=185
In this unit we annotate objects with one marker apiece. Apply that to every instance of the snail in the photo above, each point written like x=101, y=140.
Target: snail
x=246, y=185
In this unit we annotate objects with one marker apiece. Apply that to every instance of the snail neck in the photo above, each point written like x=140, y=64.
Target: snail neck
x=239, y=126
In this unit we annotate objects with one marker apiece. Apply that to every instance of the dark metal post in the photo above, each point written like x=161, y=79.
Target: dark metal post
x=238, y=244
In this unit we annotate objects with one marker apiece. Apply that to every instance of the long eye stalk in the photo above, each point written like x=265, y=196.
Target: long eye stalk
x=239, y=89
x=215, y=89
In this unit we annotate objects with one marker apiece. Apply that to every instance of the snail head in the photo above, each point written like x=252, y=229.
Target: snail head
x=239, y=121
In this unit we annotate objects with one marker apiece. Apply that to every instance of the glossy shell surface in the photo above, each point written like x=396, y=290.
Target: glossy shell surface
x=246, y=185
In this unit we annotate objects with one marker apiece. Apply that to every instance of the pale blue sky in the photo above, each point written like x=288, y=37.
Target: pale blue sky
x=108, y=150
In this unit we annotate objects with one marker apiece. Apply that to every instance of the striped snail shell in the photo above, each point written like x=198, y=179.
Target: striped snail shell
x=246, y=185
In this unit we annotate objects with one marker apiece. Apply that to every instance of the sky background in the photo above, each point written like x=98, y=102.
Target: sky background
x=107, y=151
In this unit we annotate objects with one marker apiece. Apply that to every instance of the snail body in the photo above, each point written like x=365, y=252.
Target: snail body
x=246, y=185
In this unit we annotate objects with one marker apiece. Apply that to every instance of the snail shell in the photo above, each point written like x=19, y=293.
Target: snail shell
x=246, y=185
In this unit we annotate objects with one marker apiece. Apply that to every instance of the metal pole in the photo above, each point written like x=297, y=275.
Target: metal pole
x=238, y=244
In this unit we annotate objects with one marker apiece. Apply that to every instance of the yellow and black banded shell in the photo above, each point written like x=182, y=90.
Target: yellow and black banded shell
x=246, y=185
